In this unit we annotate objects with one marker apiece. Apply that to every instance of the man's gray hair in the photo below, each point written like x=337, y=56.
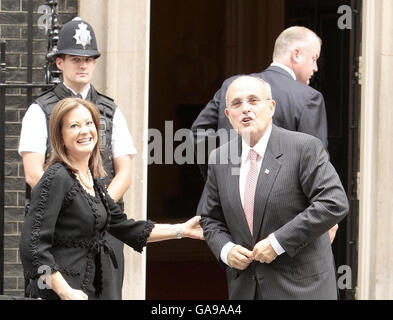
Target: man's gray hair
x=291, y=38
x=266, y=87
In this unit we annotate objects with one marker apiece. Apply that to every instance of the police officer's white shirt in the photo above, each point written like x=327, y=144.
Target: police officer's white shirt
x=34, y=132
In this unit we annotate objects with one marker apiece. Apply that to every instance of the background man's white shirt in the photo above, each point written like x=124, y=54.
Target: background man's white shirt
x=283, y=66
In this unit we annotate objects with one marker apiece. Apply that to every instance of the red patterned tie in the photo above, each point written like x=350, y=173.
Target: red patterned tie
x=249, y=192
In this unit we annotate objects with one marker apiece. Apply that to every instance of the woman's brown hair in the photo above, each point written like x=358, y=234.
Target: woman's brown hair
x=59, y=153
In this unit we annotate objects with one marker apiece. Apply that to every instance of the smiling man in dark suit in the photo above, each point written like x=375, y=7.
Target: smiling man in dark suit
x=266, y=212
x=298, y=106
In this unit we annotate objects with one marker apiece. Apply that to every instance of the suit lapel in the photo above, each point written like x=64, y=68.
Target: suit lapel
x=267, y=175
x=232, y=182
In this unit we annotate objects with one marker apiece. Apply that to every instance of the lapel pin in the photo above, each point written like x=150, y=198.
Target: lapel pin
x=267, y=171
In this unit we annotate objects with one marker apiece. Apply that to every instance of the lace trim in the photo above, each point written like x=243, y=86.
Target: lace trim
x=88, y=272
x=94, y=247
x=91, y=201
x=93, y=257
x=70, y=196
x=68, y=242
x=101, y=192
x=55, y=267
x=142, y=238
x=44, y=197
x=87, y=195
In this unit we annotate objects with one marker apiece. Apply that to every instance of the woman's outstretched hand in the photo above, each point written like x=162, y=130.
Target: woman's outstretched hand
x=192, y=229
x=189, y=229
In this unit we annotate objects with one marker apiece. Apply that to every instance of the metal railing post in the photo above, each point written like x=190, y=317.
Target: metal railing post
x=2, y=130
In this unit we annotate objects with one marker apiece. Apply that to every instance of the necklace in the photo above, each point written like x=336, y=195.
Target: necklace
x=88, y=184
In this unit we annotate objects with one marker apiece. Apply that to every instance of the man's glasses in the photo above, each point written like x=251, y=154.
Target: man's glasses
x=253, y=101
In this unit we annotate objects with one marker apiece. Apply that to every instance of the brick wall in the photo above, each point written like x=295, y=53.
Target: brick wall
x=13, y=28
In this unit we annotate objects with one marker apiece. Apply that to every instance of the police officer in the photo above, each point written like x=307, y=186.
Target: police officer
x=76, y=58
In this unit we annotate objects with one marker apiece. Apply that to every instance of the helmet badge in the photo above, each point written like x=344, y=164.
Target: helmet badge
x=82, y=35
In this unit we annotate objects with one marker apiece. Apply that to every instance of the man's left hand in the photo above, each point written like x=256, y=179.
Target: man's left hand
x=264, y=252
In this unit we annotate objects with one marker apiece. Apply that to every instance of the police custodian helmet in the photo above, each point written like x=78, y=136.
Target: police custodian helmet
x=77, y=38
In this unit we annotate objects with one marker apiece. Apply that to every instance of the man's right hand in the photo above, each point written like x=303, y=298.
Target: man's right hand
x=239, y=257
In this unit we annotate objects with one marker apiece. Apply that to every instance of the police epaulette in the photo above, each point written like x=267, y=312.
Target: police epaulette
x=47, y=98
x=46, y=91
x=104, y=96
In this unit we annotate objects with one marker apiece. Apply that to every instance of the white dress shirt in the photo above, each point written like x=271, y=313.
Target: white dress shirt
x=34, y=132
x=283, y=66
x=260, y=149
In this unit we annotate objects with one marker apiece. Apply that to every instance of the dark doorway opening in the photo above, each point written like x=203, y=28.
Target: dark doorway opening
x=195, y=46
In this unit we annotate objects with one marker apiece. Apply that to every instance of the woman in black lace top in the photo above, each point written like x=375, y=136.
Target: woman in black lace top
x=63, y=235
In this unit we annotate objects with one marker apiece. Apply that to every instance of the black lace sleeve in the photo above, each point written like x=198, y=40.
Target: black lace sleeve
x=39, y=227
x=131, y=232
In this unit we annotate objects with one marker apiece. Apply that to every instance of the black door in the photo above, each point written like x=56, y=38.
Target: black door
x=337, y=80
